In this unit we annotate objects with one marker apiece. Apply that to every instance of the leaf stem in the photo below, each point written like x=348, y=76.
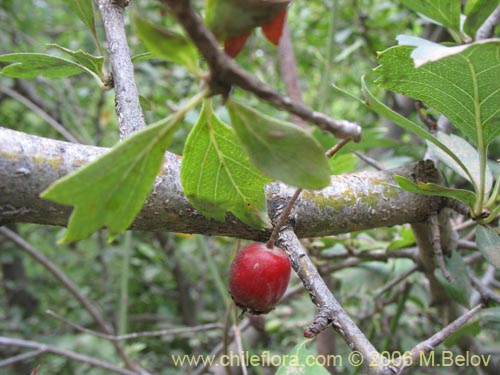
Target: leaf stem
x=282, y=219
x=288, y=209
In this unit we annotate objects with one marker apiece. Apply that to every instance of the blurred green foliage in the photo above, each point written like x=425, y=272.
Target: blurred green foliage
x=172, y=280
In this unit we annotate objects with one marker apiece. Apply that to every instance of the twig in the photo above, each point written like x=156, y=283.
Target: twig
x=436, y=244
x=128, y=108
x=202, y=369
x=356, y=257
x=381, y=255
x=488, y=27
x=20, y=358
x=330, y=311
x=289, y=73
x=456, y=206
x=71, y=287
x=239, y=345
x=43, y=348
x=368, y=160
x=438, y=338
x=135, y=335
x=485, y=292
x=226, y=73
x=282, y=219
x=426, y=119
x=41, y=113
x=396, y=280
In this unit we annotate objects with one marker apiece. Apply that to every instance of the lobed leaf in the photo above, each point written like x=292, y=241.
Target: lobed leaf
x=217, y=175
x=93, y=63
x=110, y=191
x=281, y=150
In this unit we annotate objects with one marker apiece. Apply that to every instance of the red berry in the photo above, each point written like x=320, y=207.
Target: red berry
x=259, y=277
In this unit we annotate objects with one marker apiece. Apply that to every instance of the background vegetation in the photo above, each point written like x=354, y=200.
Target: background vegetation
x=161, y=281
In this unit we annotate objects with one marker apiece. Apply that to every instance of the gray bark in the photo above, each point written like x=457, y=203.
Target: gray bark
x=29, y=164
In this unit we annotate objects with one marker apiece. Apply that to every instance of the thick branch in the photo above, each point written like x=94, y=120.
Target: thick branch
x=225, y=73
x=128, y=108
x=29, y=164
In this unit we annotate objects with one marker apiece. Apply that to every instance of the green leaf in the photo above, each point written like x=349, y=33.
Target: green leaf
x=376, y=105
x=166, y=44
x=460, y=288
x=31, y=65
x=488, y=243
x=459, y=82
x=477, y=11
x=93, y=63
x=428, y=188
x=468, y=155
x=281, y=150
x=301, y=361
x=444, y=12
x=111, y=190
x=217, y=175
x=406, y=238
x=83, y=8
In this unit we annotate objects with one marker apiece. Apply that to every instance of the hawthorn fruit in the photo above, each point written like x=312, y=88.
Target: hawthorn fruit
x=259, y=277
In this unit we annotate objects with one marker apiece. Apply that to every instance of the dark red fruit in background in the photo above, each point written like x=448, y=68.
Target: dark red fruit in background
x=259, y=277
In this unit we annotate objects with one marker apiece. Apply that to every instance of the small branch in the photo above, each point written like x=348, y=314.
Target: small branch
x=368, y=160
x=43, y=348
x=135, y=335
x=239, y=345
x=41, y=113
x=282, y=219
x=456, y=206
x=226, y=73
x=488, y=27
x=396, y=280
x=486, y=293
x=20, y=358
x=202, y=369
x=426, y=119
x=356, y=257
x=289, y=73
x=436, y=244
x=438, y=338
x=128, y=108
x=330, y=312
